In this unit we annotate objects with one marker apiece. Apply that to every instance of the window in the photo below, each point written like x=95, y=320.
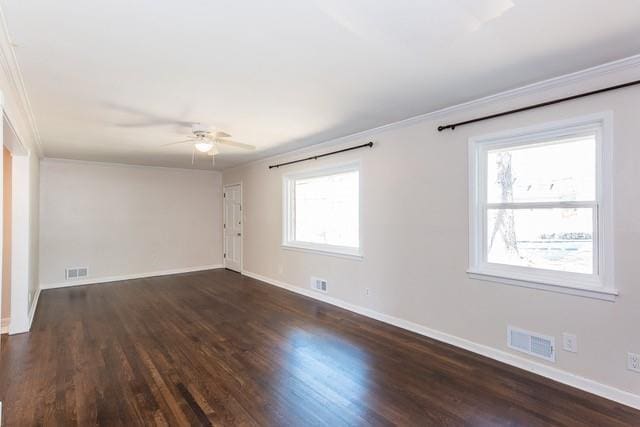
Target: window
x=540, y=207
x=322, y=210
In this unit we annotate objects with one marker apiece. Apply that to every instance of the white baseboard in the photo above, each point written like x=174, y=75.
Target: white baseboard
x=34, y=306
x=555, y=374
x=4, y=325
x=94, y=280
x=22, y=324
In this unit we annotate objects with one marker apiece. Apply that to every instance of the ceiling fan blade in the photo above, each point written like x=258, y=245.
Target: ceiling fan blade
x=146, y=118
x=151, y=123
x=175, y=143
x=235, y=144
x=221, y=134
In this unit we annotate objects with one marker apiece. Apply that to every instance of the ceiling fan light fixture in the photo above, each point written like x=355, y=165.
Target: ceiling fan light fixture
x=203, y=146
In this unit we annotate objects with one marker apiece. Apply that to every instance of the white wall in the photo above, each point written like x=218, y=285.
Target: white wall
x=24, y=257
x=5, y=308
x=34, y=228
x=414, y=185
x=120, y=220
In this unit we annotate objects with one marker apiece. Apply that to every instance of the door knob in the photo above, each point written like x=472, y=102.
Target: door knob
x=239, y=234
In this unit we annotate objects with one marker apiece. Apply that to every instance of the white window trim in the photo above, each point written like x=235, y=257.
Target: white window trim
x=288, y=222
x=601, y=285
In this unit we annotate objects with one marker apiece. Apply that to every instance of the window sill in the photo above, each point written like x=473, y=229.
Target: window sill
x=328, y=252
x=569, y=289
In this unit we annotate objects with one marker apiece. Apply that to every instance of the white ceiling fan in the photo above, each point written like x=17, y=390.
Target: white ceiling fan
x=208, y=142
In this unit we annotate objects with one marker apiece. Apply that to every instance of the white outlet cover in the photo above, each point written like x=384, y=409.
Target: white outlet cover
x=570, y=342
x=633, y=362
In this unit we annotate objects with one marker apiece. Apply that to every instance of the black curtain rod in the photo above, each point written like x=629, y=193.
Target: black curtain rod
x=369, y=144
x=542, y=104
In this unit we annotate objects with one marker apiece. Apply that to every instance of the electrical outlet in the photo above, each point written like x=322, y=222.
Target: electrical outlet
x=570, y=342
x=633, y=362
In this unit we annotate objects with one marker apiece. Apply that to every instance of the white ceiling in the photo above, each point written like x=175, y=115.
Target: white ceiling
x=282, y=74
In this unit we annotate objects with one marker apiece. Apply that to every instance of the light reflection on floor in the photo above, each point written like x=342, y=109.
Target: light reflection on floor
x=335, y=370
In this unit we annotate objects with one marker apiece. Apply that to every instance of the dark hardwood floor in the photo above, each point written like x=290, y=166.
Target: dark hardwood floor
x=222, y=349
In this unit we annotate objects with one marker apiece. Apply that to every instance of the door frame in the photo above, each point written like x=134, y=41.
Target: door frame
x=224, y=221
x=22, y=310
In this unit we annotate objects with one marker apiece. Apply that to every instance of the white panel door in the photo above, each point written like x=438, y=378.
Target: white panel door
x=233, y=227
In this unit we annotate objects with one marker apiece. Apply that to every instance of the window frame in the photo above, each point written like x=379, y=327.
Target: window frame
x=598, y=285
x=288, y=212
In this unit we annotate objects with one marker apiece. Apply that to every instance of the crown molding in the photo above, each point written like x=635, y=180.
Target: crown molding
x=126, y=165
x=11, y=69
x=563, y=81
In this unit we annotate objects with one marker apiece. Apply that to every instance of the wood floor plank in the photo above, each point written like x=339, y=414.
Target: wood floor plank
x=217, y=348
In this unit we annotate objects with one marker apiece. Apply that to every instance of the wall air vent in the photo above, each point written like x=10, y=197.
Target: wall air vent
x=319, y=285
x=76, y=273
x=532, y=343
